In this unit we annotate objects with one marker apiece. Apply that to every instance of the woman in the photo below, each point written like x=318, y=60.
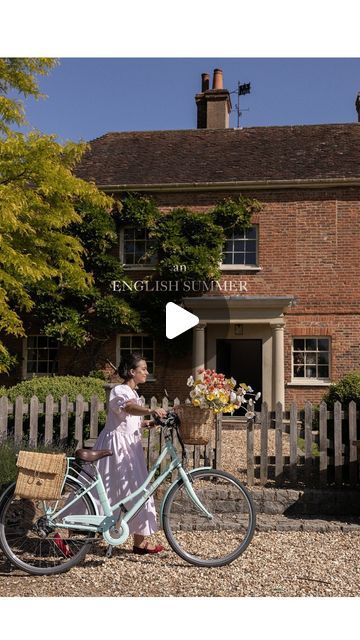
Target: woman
x=125, y=471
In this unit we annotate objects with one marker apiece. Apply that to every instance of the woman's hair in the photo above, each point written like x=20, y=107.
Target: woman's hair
x=129, y=362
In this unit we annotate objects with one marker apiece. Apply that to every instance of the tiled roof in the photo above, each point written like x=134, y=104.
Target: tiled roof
x=306, y=152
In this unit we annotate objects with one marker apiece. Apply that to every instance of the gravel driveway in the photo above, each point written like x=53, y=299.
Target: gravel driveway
x=275, y=564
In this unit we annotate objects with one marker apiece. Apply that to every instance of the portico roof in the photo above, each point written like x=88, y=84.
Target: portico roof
x=239, y=309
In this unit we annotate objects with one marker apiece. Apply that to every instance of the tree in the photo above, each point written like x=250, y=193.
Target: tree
x=40, y=199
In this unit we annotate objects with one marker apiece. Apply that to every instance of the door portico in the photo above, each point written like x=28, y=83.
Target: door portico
x=243, y=317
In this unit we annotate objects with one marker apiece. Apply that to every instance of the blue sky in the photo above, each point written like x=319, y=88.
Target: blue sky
x=88, y=97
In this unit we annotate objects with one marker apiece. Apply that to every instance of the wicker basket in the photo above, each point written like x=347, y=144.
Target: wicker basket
x=41, y=475
x=196, y=424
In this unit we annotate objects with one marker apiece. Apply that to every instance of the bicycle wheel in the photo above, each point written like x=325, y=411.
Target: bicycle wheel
x=209, y=542
x=30, y=544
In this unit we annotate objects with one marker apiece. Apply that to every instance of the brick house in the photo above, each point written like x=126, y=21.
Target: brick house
x=288, y=318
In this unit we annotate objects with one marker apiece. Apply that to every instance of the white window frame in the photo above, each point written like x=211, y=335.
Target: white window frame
x=131, y=267
x=151, y=377
x=304, y=381
x=25, y=374
x=245, y=266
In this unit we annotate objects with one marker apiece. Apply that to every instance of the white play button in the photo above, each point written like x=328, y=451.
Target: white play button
x=178, y=320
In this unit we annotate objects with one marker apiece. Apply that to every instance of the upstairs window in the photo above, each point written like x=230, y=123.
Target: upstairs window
x=134, y=247
x=242, y=247
x=311, y=358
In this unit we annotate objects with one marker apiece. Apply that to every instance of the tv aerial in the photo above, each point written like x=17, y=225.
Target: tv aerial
x=242, y=90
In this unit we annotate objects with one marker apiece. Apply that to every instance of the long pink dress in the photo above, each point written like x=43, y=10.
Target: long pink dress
x=125, y=471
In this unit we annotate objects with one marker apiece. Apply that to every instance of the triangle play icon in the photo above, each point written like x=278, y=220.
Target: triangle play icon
x=178, y=320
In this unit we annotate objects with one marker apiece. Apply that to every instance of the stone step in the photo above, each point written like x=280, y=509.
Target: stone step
x=321, y=524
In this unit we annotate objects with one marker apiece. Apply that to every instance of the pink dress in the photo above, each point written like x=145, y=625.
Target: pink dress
x=125, y=471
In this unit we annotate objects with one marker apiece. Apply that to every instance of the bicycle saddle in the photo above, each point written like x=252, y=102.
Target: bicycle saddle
x=88, y=455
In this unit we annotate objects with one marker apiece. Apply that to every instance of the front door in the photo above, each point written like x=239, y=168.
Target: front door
x=241, y=359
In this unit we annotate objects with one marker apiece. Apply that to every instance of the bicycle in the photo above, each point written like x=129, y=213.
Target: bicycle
x=207, y=515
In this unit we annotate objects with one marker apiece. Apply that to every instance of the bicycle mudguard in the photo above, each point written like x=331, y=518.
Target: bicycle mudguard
x=177, y=481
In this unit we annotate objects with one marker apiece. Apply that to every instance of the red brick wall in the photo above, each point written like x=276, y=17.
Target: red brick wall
x=309, y=242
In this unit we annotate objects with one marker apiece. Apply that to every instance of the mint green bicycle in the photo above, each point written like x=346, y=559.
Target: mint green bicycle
x=207, y=515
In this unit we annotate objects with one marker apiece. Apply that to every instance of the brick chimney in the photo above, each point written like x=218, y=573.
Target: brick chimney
x=357, y=105
x=213, y=105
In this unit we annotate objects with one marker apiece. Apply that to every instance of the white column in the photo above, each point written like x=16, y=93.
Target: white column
x=198, y=348
x=278, y=364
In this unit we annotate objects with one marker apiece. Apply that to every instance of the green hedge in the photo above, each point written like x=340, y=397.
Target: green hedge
x=58, y=386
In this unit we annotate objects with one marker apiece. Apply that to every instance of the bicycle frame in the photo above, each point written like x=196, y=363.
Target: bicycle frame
x=107, y=523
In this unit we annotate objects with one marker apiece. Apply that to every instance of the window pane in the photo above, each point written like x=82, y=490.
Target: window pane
x=251, y=233
x=228, y=245
x=150, y=366
x=250, y=258
x=239, y=245
x=323, y=371
x=42, y=367
x=251, y=245
x=125, y=341
x=323, y=344
x=140, y=234
x=239, y=258
x=311, y=344
x=148, y=342
x=129, y=234
x=310, y=358
x=299, y=372
x=136, y=342
x=129, y=247
x=42, y=341
x=238, y=235
x=148, y=354
x=227, y=258
x=323, y=358
x=310, y=372
x=129, y=258
x=299, y=344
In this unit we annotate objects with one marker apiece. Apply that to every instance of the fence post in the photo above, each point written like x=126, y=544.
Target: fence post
x=264, y=443
x=279, y=463
x=353, y=470
x=49, y=419
x=308, y=439
x=218, y=429
x=19, y=413
x=323, y=467
x=250, y=451
x=34, y=421
x=338, y=442
x=79, y=421
x=3, y=417
x=293, y=442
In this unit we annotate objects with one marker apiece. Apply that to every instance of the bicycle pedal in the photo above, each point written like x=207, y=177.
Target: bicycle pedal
x=109, y=551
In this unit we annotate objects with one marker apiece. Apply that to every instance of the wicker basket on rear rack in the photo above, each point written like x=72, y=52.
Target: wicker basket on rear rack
x=196, y=424
x=41, y=475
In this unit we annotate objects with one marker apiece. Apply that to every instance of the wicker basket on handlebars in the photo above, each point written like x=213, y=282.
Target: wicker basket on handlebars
x=196, y=424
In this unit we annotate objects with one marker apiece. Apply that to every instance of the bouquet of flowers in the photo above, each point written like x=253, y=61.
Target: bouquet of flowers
x=214, y=391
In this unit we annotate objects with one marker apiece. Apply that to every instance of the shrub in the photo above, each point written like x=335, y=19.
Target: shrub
x=346, y=390
x=58, y=386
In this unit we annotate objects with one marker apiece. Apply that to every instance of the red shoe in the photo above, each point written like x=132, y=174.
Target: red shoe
x=143, y=550
x=64, y=548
